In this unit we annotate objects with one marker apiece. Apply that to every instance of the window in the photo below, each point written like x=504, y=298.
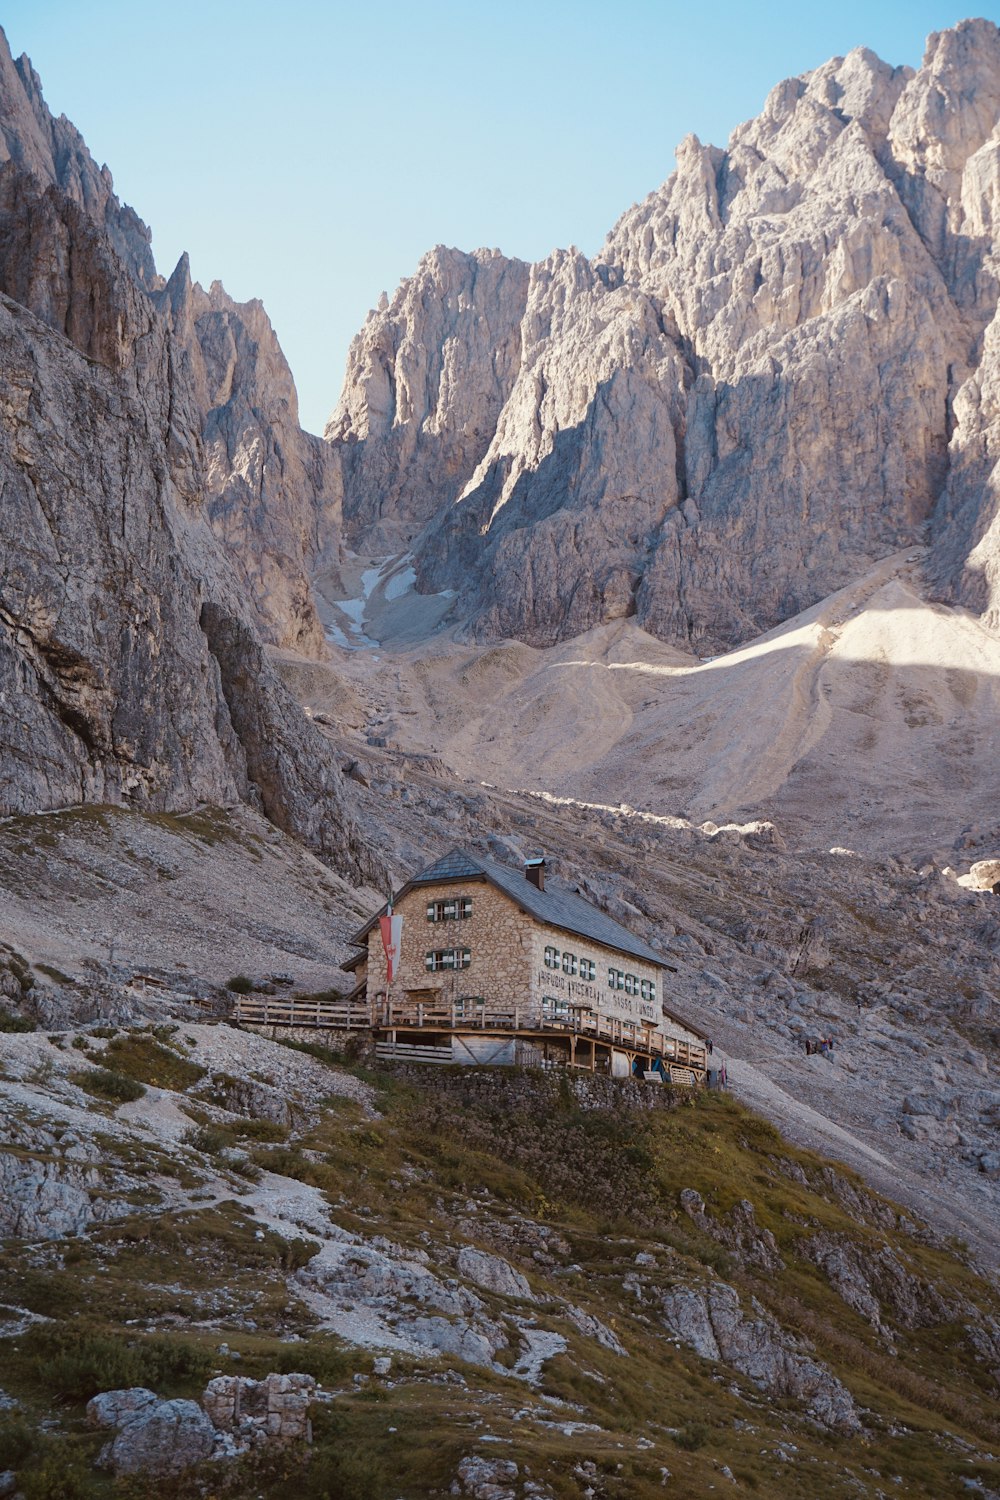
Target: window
x=455, y=909
x=648, y=990
x=588, y=969
x=553, y=1009
x=569, y=963
x=631, y=984
x=447, y=958
x=552, y=958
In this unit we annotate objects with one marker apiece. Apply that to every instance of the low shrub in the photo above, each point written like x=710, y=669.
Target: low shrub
x=10, y=1022
x=17, y=1441
x=207, y=1139
x=102, y=1083
x=240, y=984
x=71, y=1366
x=146, y=1060
x=59, y=1475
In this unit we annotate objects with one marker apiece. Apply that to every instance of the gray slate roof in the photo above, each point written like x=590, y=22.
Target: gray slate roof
x=558, y=908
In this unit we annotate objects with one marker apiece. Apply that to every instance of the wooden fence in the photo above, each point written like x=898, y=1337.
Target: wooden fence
x=341, y=1014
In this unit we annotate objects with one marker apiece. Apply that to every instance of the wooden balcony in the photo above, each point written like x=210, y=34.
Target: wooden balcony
x=437, y=1017
x=458, y=1016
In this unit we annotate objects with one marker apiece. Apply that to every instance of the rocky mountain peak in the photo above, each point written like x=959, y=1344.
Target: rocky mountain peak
x=769, y=377
x=54, y=152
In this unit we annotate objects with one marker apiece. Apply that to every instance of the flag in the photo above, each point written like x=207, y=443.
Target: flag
x=392, y=936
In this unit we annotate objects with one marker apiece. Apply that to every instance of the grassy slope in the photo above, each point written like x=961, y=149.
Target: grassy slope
x=504, y=1154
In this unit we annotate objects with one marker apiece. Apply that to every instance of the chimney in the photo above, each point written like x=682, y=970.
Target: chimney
x=534, y=871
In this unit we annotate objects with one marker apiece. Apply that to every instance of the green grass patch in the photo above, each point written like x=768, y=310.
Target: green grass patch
x=103, y=1083
x=141, y=1057
x=69, y=1365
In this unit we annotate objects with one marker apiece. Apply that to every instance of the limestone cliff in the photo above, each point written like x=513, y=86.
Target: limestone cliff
x=271, y=487
x=273, y=490
x=780, y=367
x=131, y=663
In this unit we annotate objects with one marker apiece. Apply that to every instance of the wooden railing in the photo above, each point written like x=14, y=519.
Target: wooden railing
x=456, y=1016
x=299, y=1010
x=353, y=1013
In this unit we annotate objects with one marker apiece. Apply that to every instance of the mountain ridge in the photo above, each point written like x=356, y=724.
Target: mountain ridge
x=776, y=371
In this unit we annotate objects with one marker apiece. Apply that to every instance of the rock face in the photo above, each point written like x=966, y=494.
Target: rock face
x=781, y=366
x=273, y=491
x=429, y=375
x=160, y=504
x=711, y=1321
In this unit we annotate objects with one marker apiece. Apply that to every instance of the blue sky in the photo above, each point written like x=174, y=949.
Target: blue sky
x=309, y=153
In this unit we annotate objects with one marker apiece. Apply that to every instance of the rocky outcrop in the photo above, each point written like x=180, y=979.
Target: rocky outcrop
x=492, y=1273
x=151, y=1436
x=54, y=1183
x=876, y=1284
x=710, y=1320
x=750, y=1243
x=272, y=491
x=780, y=367
x=157, y=1437
x=407, y=1296
x=493, y=1479
x=139, y=424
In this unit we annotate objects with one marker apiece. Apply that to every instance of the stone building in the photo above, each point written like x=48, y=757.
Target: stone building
x=495, y=967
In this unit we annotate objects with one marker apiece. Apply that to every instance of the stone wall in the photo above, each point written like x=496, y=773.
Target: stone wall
x=497, y=934
x=572, y=989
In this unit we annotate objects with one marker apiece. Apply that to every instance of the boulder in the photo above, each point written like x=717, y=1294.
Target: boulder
x=153, y=1437
x=486, y=1479
x=492, y=1273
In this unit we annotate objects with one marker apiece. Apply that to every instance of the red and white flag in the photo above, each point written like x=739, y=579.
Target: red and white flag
x=392, y=937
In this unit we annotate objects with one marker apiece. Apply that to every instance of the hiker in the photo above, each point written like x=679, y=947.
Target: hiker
x=723, y=1076
x=711, y=1049
x=809, y=1046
